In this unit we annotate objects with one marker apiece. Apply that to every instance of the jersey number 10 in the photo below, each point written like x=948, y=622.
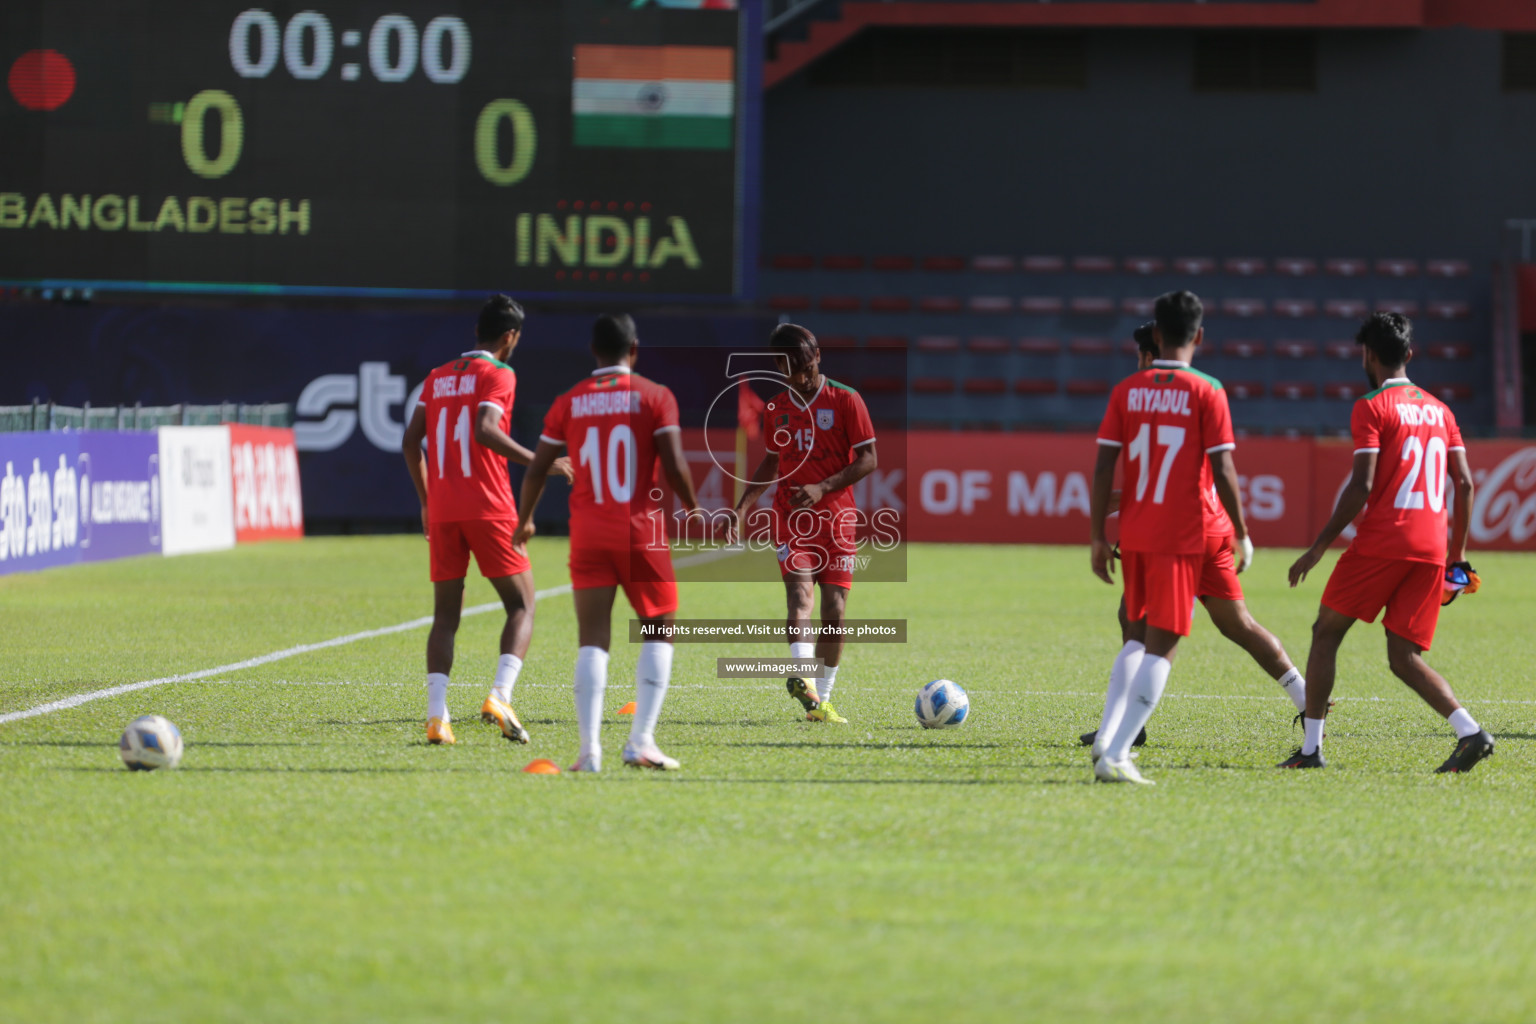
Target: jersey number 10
x=621, y=463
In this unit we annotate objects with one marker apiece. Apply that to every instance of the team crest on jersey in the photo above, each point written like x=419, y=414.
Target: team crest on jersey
x=824, y=419
x=782, y=421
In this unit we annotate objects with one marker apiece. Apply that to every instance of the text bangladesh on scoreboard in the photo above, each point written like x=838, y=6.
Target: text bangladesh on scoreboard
x=457, y=146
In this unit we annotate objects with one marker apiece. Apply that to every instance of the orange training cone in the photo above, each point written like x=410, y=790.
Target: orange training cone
x=542, y=766
x=627, y=709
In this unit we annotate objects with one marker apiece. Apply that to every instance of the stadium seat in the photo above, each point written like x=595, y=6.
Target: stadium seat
x=1451, y=392
x=1295, y=349
x=838, y=341
x=1088, y=386
x=1347, y=309
x=944, y=263
x=1040, y=305
x=890, y=304
x=939, y=304
x=1346, y=349
x=1143, y=265
x=882, y=385
x=1245, y=388
x=1451, y=350
x=994, y=264
x=984, y=386
x=1244, y=266
x=1091, y=347
x=1093, y=264
x=1042, y=264
x=887, y=341
x=1447, y=268
x=938, y=343
x=1345, y=390
x=1040, y=346
x=1407, y=307
x=1091, y=305
x=1347, y=267
x=842, y=262
x=1397, y=268
x=789, y=303
x=893, y=263
x=1245, y=308
x=1137, y=307
x=793, y=261
x=1243, y=349
x=933, y=385
x=841, y=303
x=1443, y=310
x=1195, y=266
x=1295, y=309
x=991, y=304
x=1295, y=390
x=1292, y=266
x=1035, y=386
x=988, y=343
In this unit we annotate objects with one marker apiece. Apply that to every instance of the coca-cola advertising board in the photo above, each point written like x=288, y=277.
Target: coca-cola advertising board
x=264, y=468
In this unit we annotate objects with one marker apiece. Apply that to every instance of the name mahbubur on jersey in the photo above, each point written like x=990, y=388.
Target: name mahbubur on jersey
x=605, y=403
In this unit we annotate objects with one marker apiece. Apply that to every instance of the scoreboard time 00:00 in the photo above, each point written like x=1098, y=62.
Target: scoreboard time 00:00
x=307, y=47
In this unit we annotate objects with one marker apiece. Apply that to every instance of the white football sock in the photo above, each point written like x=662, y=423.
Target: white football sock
x=1464, y=724
x=1145, y=691
x=652, y=673
x=800, y=650
x=1120, y=675
x=591, y=681
x=506, y=677
x=824, y=684
x=437, y=695
x=1312, y=735
x=1295, y=688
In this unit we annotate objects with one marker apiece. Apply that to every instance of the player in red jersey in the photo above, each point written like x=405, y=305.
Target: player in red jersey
x=1174, y=426
x=819, y=442
x=1406, y=441
x=467, y=508
x=618, y=424
x=1219, y=591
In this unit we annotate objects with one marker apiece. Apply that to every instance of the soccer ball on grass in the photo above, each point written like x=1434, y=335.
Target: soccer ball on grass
x=150, y=742
x=941, y=704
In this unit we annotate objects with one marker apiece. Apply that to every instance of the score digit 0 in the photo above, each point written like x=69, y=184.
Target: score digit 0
x=525, y=142
x=231, y=134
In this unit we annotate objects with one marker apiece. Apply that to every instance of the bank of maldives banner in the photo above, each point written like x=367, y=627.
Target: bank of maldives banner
x=86, y=497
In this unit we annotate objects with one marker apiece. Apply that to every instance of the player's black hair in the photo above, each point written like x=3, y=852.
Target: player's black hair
x=1389, y=335
x=1177, y=316
x=613, y=336
x=1145, y=339
x=500, y=314
x=796, y=342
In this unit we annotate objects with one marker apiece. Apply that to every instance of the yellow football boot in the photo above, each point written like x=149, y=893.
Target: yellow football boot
x=439, y=731
x=825, y=713
x=497, y=713
x=804, y=691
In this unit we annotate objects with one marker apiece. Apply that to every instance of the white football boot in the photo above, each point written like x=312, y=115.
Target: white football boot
x=649, y=757
x=1106, y=770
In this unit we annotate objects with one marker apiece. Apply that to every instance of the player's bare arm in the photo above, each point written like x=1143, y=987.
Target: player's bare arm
x=669, y=449
x=534, y=479
x=863, y=464
x=1461, y=505
x=1356, y=493
x=489, y=434
x=410, y=447
x=1100, y=554
x=1224, y=475
x=762, y=478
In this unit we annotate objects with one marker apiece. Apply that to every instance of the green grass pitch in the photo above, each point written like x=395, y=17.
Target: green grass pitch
x=313, y=859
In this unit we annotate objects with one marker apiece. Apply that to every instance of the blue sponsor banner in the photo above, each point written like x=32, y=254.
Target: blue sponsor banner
x=39, y=501
x=119, y=488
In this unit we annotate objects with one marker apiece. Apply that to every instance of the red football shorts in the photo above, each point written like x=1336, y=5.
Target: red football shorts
x=644, y=572
x=1361, y=586
x=826, y=556
x=1218, y=572
x=1161, y=588
x=490, y=540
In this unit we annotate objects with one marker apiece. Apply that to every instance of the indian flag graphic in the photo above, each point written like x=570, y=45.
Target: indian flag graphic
x=673, y=97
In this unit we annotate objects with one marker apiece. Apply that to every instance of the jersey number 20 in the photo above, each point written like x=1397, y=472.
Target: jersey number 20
x=1430, y=459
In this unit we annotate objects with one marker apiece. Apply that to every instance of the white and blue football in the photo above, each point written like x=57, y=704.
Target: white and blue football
x=150, y=742
x=941, y=704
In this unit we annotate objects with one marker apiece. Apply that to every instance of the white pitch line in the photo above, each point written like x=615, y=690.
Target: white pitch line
x=293, y=652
